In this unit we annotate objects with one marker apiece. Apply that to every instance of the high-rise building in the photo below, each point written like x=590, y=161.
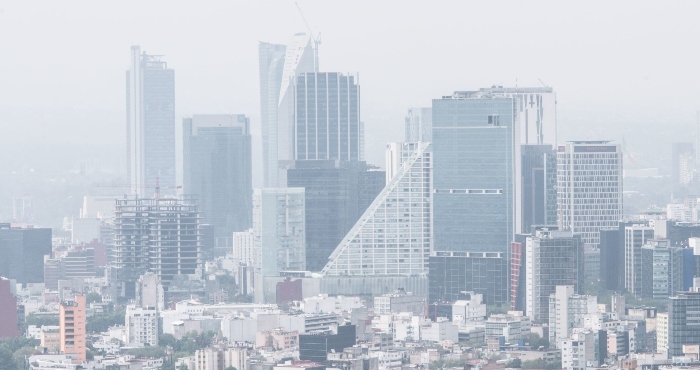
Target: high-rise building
x=23, y=209
x=150, y=121
x=636, y=236
x=72, y=328
x=661, y=269
x=589, y=188
x=682, y=162
x=452, y=273
x=475, y=175
x=279, y=64
x=141, y=326
x=553, y=258
x=279, y=232
x=157, y=235
x=393, y=235
x=78, y=263
x=326, y=117
x=8, y=310
x=217, y=171
x=418, y=125
x=23, y=250
x=683, y=322
x=337, y=193
x=539, y=186
x=316, y=346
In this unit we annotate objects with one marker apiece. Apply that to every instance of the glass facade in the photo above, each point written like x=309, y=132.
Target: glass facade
x=474, y=174
x=327, y=117
x=451, y=273
x=23, y=252
x=217, y=165
x=337, y=194
x=683, y=322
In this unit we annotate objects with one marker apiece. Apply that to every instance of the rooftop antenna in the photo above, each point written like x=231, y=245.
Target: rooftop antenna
x=543, y=84
x=316, y=39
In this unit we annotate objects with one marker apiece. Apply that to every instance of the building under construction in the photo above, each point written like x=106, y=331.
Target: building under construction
x=162, y=236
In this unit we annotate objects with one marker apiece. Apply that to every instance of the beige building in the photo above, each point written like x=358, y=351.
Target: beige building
x=662, y=332
x=72, y=328
x=51, y=338
x=219, y=359
x=277, y=339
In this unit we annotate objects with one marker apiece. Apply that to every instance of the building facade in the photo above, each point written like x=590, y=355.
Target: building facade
x=683, y=322
x=451, y=273
x=636, y=236
x=162, y=236
x=150, y=122
x=589, y=188
x=217, y=171
x=72, y=328
x=327, y=117
x=23, y=250
x=661, y=269
x=141, y=326
x=418, y=125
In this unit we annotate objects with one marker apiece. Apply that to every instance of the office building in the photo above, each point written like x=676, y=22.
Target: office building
x=662, y=333
x=279, y=65
x=589, y=188
x=8, y=310
x=23, y=209
x=451, y=273
x=315, y=346
x=217, y=171
x=156, y=235
x=553, y=258
x=23, y=250
x=72, y=328
x=392, y=237
x=661, y=269
x=279, y=229
x=539, y=181
x=683, y=322
x=682, y=162
x=567, y=311
x=52, y=272
x=150, y=122
x=337, y=193
x=78, y=263
x=326, y=117
x=475, y=175
x=635, y=237
x=418, y=125
x=141, y=326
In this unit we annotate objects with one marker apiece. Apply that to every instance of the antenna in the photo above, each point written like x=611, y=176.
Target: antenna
x=316, y=39
x=543, y=84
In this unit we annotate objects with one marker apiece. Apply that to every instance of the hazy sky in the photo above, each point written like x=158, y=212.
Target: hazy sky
x=613, y=64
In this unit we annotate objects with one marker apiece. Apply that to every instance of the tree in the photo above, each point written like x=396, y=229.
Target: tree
x=515, y=363
x=21, y=355
x=41, y=320
x=101, y=323
x=182, y=367
x=93, y=297
x=147, y=352
x=6, y=360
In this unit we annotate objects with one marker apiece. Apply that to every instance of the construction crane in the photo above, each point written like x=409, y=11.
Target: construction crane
x=157, y=187
x=316, y=39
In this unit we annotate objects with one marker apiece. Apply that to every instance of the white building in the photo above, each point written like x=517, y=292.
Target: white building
x=217, y=359
x=244, y=247
x=589, y=188
x=392, y=237
x=280, y=235
x=473, y=309
x=141, y=326
x=322, y=303
x=662, y=332
x=399, y=301
x=567, y=311
x=419, y=125
x=149, y=291
x=578, y=352
x=512, y=326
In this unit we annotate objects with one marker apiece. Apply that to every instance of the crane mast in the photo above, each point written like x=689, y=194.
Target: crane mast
x=316, y=39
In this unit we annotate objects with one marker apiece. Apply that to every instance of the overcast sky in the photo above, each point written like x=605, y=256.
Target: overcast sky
x=62, y=63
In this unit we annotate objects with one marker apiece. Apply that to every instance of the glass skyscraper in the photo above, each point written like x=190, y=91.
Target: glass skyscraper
x=327, y=117
x=150, y=121
x=475, y=176
x=218, y=171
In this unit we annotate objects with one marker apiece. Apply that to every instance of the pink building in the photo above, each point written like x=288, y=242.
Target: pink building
x=8, y=310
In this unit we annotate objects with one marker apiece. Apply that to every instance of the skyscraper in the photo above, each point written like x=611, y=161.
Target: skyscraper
x=218, y=171
x=636, y=236
x=327, y=117
x=392, y=237
x=279, y=234
x=589, y=188
x=418, y=125
x=336, y=195
x=162, y=236
x=539, y=186
x=23, y=251
x=150, y=121
x=474, y=178
x=682, y=162
x=661, y=269
x=279, y=65
x=683, y=322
